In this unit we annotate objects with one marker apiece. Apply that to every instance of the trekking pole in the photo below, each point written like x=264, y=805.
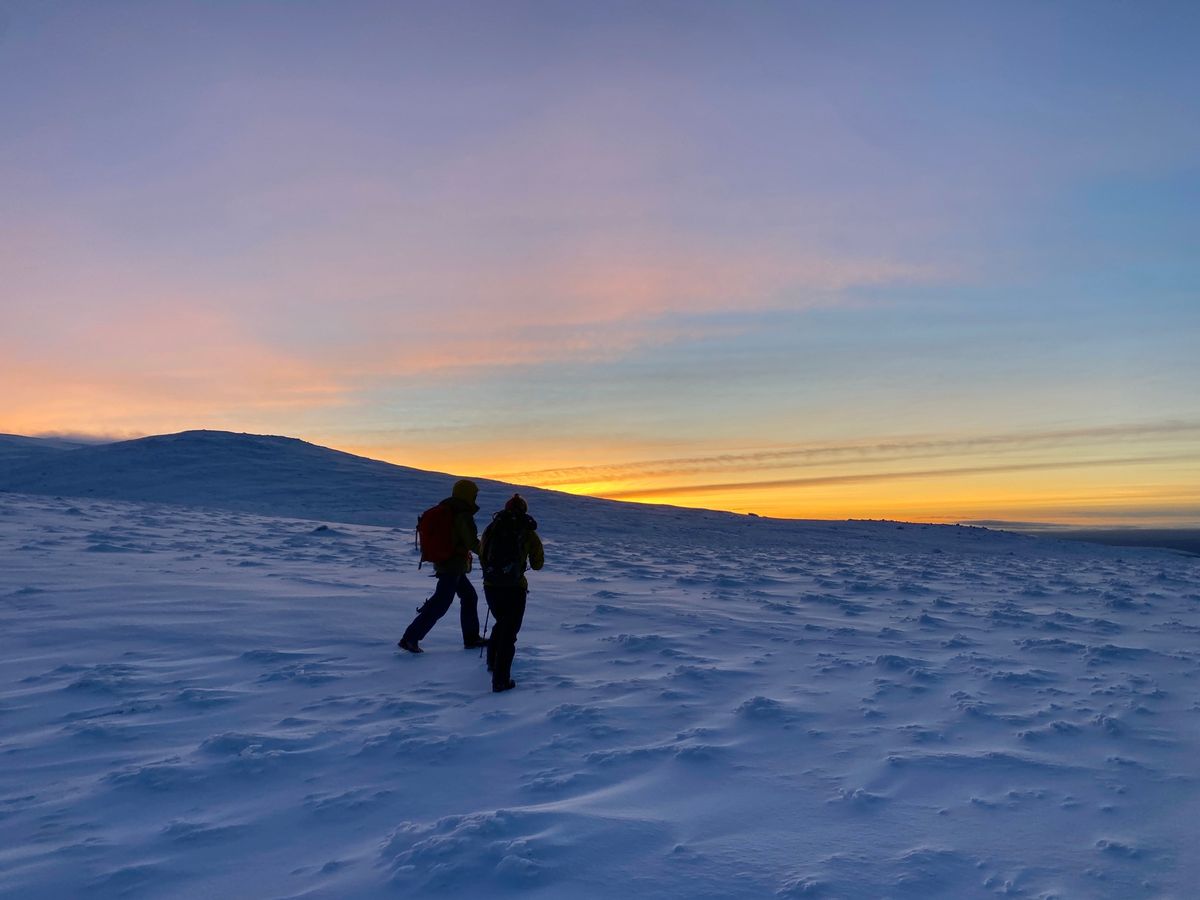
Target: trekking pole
x=485, y=624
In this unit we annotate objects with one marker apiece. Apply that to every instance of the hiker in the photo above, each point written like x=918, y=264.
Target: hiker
x=510, y=545
x=458, y=511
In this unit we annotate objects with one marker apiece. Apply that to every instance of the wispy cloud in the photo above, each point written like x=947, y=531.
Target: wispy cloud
x=949, y=472
x=857, y=452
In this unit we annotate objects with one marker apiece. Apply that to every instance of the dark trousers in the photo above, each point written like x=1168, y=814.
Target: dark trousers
x=508, y=609
x=437, y=605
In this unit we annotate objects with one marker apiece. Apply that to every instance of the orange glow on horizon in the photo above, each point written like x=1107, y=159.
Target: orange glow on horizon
x=1056, y=488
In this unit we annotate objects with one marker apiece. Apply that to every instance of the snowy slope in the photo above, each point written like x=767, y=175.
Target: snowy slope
x=17, y=450
x=283, y=476
x=197, y=702
x=287, y=477
x=253, y=473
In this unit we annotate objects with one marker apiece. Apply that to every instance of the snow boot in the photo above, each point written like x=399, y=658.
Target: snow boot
x=475, y=642
x=410, y=645
x=497, y=688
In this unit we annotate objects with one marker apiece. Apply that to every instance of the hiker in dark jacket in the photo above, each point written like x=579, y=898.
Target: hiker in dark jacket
x=452, y=576
x=510, y=546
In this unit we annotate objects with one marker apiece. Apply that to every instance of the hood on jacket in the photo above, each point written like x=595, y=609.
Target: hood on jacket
x=465, y=490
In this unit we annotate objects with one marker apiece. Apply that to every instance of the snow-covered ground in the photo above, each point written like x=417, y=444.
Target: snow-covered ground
x=209, y=703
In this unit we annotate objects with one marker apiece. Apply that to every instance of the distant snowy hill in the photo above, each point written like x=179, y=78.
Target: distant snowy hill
x=17, y=450
x=267, y=475
x=282, y=476
x=250, y=473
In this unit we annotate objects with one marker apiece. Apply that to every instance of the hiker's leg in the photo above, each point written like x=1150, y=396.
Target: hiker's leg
x=520, y=595
x=502, y=638
x=433, y=609
x=505, y=634
x=493, y=602
x=468, y=609
x=516, y=617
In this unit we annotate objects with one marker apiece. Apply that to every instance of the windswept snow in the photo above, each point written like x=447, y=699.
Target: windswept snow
x=203, y=702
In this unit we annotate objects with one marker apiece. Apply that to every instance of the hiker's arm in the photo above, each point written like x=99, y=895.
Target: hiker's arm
x=466, y=533
x=537, y=555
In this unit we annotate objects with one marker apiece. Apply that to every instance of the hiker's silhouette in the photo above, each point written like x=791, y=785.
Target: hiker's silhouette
x=510, y=546
x=457, y=512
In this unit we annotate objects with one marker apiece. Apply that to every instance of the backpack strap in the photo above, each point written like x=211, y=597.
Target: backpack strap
x=417, y=540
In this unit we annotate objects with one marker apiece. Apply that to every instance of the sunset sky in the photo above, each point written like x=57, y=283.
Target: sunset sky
x=934, y=261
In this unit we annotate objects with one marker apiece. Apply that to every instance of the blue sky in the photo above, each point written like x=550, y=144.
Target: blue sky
x=521, y=237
